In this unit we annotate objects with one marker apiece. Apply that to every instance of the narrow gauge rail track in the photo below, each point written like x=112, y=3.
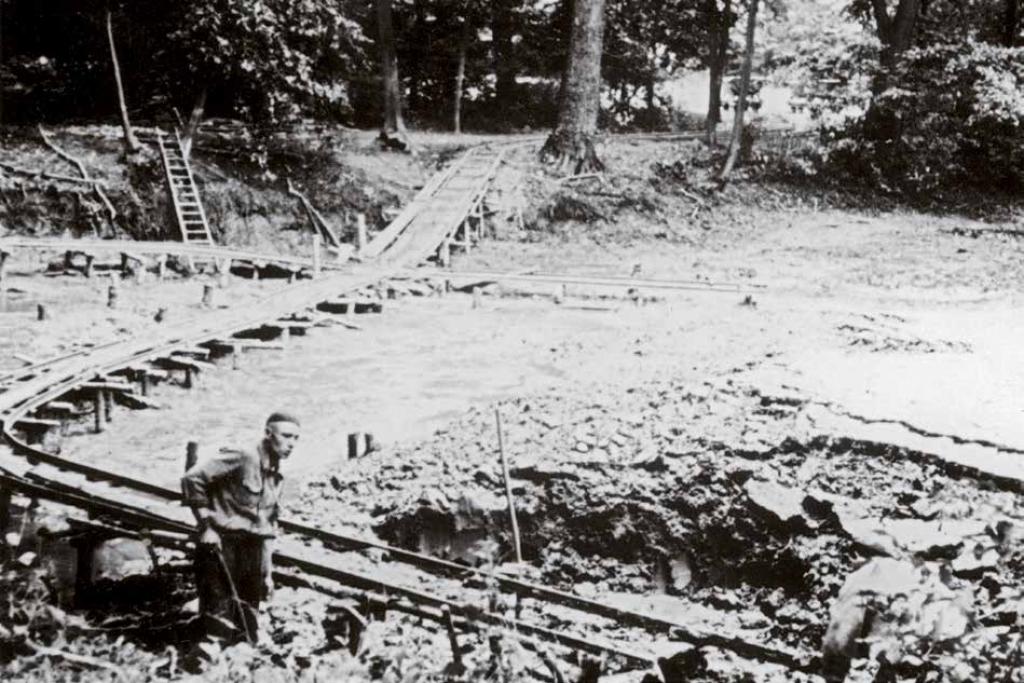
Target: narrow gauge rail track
x=316, y=555
x=333, y=549
x=146, y=248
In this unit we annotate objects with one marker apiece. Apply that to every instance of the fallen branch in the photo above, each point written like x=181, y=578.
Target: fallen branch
x=111, y=211
x=691, y=196
x=319, y=224
x=10, y=168
x=83, y=171
x=581, y=176
x=63, y=154
x=71, y=657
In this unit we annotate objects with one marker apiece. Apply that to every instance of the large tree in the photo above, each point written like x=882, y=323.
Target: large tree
x=719, y=19
x=393, y=125
x=571, y=143
x=895, y=30
x=131, y=144
x=735, y=141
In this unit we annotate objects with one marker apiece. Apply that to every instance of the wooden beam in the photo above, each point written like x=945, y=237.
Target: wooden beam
x=36, y=423
x=108, y=386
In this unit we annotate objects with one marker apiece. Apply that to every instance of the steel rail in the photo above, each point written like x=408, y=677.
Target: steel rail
x=41, y=488
x=442, y=567
x=155, y=247
x=596, y=280
x=146, y=351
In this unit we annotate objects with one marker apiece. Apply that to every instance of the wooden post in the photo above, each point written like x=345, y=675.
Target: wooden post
x=108, y=405
x=144, y=383
x=360, y=232
x=191, y=454
x=97, y=403
x=236, y=351
x=508, y=490
x=444, y=254
x=476, y=297
x=552, y=667
x=89, y=258
x=207, y=296
x=5, y=510
x=3, y=264
x=112, y=295
x=188, y=377
x=224, y=273
x=161, y=267
x=125, y=262
x=41, y=313
x=453, y=637
x=68, y=260
x=317, y=239
x=140, y=272
x=255, y=272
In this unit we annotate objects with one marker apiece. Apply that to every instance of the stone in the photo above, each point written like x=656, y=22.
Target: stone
x=781, y=506
x=116, y=559
x=975, y=560
x=541, y=472
x=926, y=610
x=680, y=572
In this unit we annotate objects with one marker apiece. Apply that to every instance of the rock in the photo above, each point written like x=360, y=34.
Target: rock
x=434, y=498
x=975, y=560
x=476, y=507
x=680, y=573
x=541, y=472
x=683, y=666
x=890, y=603
x=781, y=506
x=116, y=559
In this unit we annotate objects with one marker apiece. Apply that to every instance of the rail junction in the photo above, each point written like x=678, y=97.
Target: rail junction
x=447, y=213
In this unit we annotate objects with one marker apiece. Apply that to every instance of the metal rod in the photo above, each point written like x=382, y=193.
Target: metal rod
x=508, y=490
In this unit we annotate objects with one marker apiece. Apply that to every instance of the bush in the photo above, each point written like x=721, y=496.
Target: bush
x=951, y=115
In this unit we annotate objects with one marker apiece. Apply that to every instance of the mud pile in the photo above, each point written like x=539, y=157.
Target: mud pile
x=714, y=496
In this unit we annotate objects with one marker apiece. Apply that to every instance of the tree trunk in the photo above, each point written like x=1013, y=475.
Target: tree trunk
x=194, y=121
x=736, y=140
x=571, y=144
x=718, y=59
x=896, y=33
x=460, y=78
x=1011, y=22
x=131, y=144
x=502, y=30
x=393, y=126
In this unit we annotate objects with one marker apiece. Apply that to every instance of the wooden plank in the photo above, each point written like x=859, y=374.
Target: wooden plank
x=36, y=422
x=107, y=386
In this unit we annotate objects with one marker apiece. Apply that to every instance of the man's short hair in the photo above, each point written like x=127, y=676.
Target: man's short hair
x=283, y=416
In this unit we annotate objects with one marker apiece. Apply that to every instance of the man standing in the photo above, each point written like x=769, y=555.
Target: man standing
x=235, y=496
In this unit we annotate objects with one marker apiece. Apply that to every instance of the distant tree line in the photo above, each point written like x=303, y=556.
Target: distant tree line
x=570, y=65
x=499, y=63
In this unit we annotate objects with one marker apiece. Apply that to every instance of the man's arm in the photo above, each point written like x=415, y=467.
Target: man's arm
x=195, y=486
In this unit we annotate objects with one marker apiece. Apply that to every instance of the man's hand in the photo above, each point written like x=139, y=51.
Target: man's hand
x=210, y=538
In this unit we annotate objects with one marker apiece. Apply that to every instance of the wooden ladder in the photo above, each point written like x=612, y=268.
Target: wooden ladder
x=188, y=210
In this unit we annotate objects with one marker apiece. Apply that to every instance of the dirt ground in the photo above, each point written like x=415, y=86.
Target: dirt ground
x=657, y=438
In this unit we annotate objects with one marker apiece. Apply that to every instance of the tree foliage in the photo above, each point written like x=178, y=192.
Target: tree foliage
x=279, y=58
x=947, y=113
